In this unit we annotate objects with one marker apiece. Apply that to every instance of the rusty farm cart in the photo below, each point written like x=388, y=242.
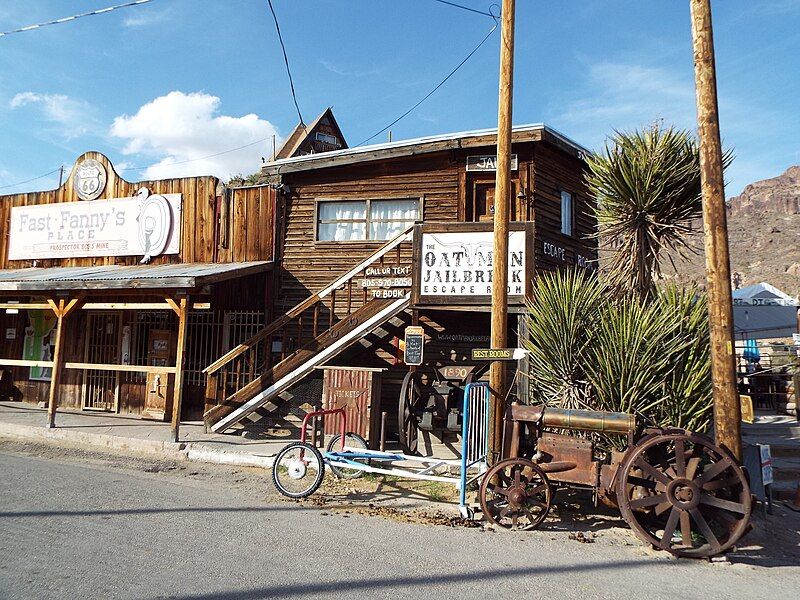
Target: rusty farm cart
x=677, y=490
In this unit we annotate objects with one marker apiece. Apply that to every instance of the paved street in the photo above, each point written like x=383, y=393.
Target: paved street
x=81, y=525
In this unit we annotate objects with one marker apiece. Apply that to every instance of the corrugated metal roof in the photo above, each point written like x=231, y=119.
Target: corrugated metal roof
x=407, y=147
x=180, y=275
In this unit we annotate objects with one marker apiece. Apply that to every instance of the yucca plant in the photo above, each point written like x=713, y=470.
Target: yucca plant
x=687, y=398
x=647, y=184
x=559, y=322
x=589, y=349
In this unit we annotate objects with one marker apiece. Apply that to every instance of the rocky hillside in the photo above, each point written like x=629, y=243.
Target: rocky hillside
x=764, y=233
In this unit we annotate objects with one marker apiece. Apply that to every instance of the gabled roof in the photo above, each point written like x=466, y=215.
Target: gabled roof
x=433, y=143
x=763, y=294
x=303, y=132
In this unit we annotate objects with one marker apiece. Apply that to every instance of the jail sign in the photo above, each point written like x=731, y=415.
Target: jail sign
x=147, y=224
x=460, y=264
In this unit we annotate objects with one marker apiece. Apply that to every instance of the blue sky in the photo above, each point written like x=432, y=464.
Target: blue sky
x=176, y=80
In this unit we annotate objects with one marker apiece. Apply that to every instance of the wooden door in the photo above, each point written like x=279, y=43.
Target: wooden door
x=158, y=397
x=481, y=206
x=103, y=338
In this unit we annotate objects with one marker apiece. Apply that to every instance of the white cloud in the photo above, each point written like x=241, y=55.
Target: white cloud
x=180, y=127
x=625, y=96
x=71, y=116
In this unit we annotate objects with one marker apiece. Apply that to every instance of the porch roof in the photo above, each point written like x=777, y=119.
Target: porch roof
x=126, y=277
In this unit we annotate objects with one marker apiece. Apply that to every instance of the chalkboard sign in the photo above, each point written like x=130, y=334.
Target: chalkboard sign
x=415, y=340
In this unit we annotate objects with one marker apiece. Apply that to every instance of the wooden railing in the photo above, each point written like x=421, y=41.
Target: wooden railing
x=299, y=327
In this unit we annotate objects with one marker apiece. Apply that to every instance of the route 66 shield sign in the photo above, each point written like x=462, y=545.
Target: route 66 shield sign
x=90, y=179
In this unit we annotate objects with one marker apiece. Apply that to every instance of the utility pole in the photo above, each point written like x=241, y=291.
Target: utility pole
x=60, y=175
x=727, y=410
x=502, y=188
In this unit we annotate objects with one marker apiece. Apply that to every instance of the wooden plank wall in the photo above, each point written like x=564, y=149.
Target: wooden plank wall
x=308, y=265
x=250, y=222
x=553, y=171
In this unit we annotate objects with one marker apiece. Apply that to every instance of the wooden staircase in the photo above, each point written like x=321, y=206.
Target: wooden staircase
x=244, y=381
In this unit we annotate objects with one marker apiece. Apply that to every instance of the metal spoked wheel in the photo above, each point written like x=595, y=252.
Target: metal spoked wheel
x=680, y=492
x=409, y=412
x=351, y=440
x=298, y=470
x=515, y=494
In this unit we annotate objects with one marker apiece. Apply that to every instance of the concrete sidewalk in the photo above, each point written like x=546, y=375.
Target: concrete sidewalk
x=130, y=434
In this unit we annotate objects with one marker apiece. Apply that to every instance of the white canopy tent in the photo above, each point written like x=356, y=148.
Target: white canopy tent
x=762, y=311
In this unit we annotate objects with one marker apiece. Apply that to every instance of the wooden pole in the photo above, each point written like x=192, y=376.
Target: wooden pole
x=58, y=366
x=177, y=398
x=502, y=187
x=727, y=410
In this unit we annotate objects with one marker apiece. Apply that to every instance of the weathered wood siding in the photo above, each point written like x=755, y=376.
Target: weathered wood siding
x=553, y=171
x=237, y=226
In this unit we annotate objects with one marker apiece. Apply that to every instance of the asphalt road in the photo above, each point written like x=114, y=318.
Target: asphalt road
x=77, y=525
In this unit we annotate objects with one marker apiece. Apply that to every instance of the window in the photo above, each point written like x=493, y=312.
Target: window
x=327, y=138
x=566, y=213
x=356, y=220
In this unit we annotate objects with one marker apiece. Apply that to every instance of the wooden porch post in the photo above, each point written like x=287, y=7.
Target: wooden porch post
x=182, y=310
x=61, y=310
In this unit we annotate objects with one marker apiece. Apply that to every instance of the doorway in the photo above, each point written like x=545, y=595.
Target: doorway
x=100, y=387
x=480, y=204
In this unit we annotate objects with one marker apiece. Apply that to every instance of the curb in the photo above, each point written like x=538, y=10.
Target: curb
x=179, y=451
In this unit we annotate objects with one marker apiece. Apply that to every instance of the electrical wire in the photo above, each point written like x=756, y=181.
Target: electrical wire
x=183, y=162
x=286, y=60
x=440, y=84
x=10, y=185
x=462, y=7
x=99, y=11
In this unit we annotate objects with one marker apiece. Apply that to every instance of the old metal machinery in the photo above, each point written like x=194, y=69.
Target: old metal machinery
x=677, y=490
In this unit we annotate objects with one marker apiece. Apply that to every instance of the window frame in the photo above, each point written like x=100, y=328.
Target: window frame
x=571, y=195
x=368, y=220
x=335, y=139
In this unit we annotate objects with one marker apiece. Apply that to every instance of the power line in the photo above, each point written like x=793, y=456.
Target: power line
x=183, y=162
x=462, y=7
x=440, y=84
x=99, y=11
x=286, y=60
x=2, y=187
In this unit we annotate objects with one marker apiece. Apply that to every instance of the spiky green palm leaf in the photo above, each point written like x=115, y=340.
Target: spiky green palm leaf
x=559, y=323
x=647, y=184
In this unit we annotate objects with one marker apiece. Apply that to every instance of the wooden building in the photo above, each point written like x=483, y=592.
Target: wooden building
x=372, y=239
x=115, y=295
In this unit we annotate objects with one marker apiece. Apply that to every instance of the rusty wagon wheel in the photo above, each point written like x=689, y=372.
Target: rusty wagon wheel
x=409, y=410
x=516, y=494
x=681, y=493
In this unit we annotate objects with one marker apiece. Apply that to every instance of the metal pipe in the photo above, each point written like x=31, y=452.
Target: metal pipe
x=578, y=420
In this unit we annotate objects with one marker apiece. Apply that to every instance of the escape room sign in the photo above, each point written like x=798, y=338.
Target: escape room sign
x=146, y=225
x=460, y=264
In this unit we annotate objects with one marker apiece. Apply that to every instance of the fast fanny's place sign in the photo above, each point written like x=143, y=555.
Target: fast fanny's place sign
x=460, y=264
x=146, y=225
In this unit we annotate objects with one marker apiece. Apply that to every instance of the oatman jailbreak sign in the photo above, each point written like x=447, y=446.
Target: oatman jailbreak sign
x=145, y=225
x=460, y=264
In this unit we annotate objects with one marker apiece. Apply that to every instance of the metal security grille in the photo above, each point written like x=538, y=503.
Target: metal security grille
x=102, y=346
x=240, y=326
x=203, y=339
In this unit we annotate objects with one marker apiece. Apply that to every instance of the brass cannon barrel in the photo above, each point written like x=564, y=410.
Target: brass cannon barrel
x=576, y=420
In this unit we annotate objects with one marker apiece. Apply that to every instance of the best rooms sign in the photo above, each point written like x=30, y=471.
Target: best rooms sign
x=460, y=264
x=146, y=225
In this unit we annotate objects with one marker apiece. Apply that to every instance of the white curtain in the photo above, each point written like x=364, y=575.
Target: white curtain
x=390, y=217
x=347, y=216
